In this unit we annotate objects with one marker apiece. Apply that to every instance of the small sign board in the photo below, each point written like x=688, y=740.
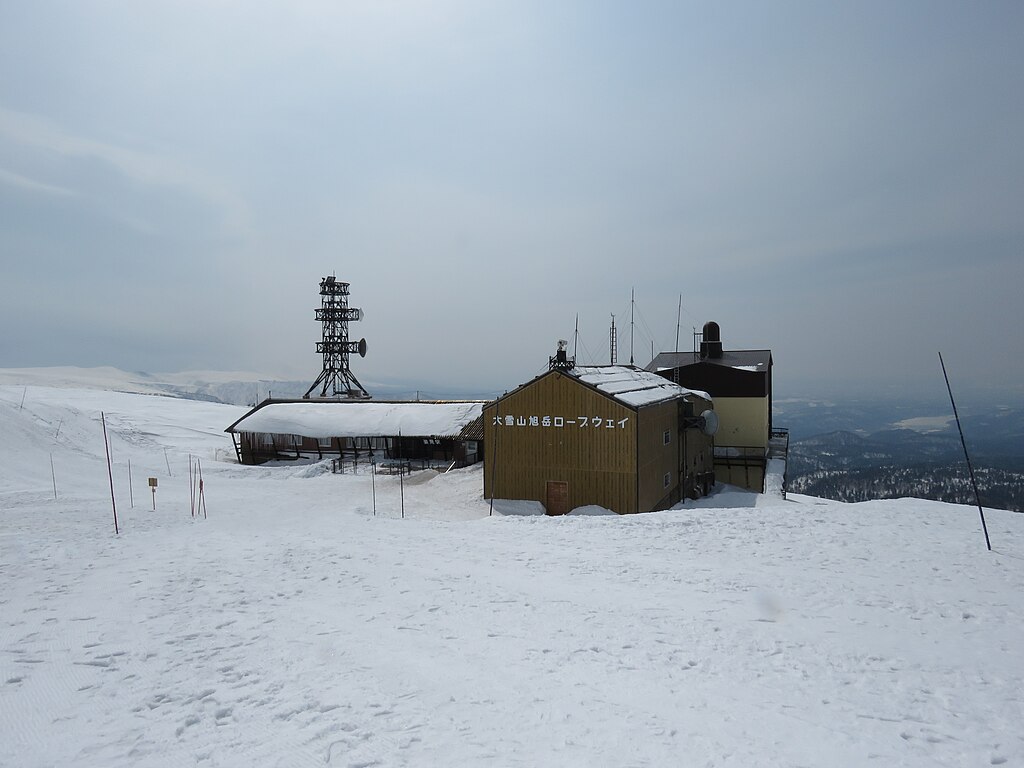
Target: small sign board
x=152, y=482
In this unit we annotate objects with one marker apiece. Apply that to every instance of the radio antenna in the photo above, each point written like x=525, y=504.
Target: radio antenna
x=679, y=316
x=336, y=314
x=632, y=304
x=613, y=343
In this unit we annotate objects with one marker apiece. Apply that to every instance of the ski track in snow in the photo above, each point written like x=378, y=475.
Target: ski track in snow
x=293, y=627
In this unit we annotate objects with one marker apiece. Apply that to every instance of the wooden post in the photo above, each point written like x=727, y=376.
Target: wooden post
x=401, y=474
x=202, y=493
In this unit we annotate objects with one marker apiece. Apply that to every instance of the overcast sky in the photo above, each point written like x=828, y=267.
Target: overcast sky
x=842, y=183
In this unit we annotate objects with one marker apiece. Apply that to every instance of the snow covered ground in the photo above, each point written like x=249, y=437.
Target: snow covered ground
x=292, y=627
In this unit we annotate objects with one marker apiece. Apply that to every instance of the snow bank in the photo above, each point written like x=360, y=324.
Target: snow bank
x=306, y=623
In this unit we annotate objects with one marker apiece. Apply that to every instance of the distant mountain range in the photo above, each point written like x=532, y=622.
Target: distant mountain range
x=233, y=387
x=912, y=451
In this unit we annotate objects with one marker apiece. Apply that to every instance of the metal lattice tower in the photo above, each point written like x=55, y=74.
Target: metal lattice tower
x=613, y=343
x=335, y=314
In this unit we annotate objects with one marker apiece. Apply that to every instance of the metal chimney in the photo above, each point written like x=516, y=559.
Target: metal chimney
x=561, y=361
x=711, y=341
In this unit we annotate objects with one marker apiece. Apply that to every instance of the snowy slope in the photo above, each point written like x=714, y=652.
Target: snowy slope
x=238, y=387
x=294, y=627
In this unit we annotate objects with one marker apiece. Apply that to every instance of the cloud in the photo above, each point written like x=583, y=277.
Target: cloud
x=21, y=182
x=149, y=169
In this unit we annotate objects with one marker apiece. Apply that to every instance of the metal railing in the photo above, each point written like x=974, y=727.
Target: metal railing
x=778, y=443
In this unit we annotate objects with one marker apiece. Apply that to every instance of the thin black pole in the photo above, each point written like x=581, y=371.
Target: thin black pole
x=54, y=476
x=131, y=494
x=110, y=472
x=679, y=315
x=963, y=442
x=576, y=336
x=632, y=306
x=373, y=484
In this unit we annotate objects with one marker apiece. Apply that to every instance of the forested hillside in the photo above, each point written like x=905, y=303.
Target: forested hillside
x=901, y=463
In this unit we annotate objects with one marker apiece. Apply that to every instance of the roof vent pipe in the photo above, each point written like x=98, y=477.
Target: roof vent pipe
x=711, y=341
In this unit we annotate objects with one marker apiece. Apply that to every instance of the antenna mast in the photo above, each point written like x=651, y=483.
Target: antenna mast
x=679, y=315
x=613, y=342
x=576, y=336
x=632, y=303
x=335, y=314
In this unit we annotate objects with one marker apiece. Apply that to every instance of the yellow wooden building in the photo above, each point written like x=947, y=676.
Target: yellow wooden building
x=740, y=381
x=612, y=436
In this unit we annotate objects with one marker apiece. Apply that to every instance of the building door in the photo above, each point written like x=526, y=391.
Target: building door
x=557, y=497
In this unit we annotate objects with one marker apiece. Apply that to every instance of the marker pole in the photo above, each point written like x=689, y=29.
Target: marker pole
x=963, y=442
x=110, y=471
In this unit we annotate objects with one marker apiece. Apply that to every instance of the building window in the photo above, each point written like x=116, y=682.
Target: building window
x=667, y=437
x=324, y=442
x=668, y=478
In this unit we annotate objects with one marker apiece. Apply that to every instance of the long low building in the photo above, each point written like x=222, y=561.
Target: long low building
x=443, y=431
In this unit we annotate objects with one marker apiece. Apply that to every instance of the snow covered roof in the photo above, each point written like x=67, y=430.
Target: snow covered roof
x=632, y=386
x=360, y=418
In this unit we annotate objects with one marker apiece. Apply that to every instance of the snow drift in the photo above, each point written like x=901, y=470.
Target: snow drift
x=306, y=623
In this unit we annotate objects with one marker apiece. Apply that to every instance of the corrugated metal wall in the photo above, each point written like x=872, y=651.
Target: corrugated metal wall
x=561, y=430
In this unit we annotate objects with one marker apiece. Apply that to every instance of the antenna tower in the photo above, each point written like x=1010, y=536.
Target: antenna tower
x=632, y=306
x=335, y=314
x=613, y=342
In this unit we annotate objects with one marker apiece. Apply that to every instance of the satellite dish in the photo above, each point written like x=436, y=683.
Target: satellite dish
x=362, y=350
x=709, y=423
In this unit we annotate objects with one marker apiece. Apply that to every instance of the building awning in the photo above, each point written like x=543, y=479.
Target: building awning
x=340, y=418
